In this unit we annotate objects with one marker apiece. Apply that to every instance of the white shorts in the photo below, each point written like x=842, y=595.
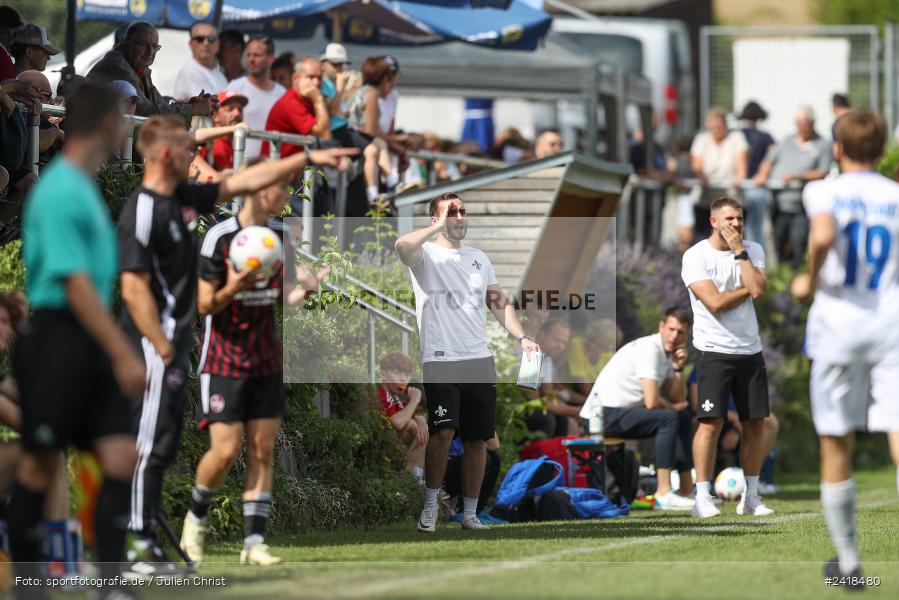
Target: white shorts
x=855, y=397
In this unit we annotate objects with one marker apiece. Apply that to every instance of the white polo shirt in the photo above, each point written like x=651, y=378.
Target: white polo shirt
x=450, y=288
x=618, y=384
x=733, y=331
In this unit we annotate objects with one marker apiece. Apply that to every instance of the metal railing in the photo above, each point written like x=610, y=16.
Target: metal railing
x=34, y=127
x=374, y=312
x=429, y=158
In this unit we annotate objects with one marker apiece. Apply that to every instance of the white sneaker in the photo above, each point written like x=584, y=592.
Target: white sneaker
x=472, y=523
x=427, y=521
x=754, y=507
x=673, y=501
x=258, y=554
x=192, y=536
x=704, y=507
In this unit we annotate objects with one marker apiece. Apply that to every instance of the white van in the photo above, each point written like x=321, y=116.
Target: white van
x=666, y=61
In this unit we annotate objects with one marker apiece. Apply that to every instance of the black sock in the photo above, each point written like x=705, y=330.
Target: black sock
x=111, y=524
x=26, y=509
x=200, y=499
x=256, y=513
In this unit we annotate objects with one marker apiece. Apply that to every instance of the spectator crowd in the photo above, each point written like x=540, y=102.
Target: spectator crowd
x=229, y=78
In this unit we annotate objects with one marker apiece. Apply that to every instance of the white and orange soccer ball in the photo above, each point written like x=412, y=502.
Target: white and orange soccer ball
x=257, y=248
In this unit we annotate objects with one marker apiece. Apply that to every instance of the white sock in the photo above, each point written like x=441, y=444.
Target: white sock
x=418, y=472
x=752, y=486
x=470, y=507
x=252, y=540
x=372, y=192
x=393, y=178
x=702, y=488
x=431, y=496
x=838, y=502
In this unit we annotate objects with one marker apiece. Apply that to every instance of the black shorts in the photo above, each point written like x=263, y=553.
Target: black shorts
x=69, y=395
x=469, y=408
x=233, y=400
x=352, y=138
x=743, y=375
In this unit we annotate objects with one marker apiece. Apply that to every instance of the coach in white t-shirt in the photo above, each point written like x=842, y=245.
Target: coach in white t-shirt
x=454, y=287
x=199, y=73
x=629, y=393
x=259, y=88
x=723, y=274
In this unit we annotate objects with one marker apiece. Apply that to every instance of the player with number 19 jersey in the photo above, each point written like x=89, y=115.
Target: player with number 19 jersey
x=855, y=313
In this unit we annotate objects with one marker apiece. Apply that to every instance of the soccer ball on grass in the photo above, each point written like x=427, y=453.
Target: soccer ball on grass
x=730, y=483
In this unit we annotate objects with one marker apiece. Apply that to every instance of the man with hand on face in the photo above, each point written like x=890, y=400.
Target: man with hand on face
x=157, y=245
x=453, y=284
x=723, y=274
x=629, y=390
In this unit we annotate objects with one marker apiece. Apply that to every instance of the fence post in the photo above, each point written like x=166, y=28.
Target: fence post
x=308, y=208
x=405, y=335
x=371, y=348
x=128, y=144
x=889, y=74
x=239, y=141
x=704, y=74
x=341, y=183
x=34, y=149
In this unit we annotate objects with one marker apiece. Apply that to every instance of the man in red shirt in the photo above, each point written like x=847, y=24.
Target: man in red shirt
x=401, y=404
x=302, y=110
x=230, y=112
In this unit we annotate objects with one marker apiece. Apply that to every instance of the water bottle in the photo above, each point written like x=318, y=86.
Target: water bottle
x=595, y=423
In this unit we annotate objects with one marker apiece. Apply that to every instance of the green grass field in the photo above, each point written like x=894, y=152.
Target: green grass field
x=648, y=555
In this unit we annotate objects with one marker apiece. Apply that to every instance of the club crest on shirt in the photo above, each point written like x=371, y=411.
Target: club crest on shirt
x=175, y=379
x=217, y=403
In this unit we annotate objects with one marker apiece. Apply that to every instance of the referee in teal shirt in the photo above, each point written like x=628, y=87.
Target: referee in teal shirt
x=74, y=368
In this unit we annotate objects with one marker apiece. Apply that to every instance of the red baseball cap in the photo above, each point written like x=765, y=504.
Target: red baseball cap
x=228, y=95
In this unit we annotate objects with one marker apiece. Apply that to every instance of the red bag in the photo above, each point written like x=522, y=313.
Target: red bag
x=553, y=448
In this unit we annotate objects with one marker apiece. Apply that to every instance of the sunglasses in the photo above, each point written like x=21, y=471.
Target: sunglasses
x=205, y=38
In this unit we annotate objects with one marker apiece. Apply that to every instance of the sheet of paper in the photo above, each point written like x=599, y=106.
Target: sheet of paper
x=529, y=373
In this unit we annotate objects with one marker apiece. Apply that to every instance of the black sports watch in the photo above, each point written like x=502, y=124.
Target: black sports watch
x=744, y=255
x=525, y=337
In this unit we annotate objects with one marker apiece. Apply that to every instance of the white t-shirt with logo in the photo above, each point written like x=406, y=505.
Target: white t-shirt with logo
x=618, y=384
x=450, y=288
x=733, y=331
x=255, y=114
x=194, y=78
x=855, y=314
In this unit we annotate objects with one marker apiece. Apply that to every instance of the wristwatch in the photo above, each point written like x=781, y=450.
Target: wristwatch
x=744, y=255
x=525, y=337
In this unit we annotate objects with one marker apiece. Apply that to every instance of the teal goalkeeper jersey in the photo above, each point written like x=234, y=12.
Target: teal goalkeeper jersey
x=67, y=231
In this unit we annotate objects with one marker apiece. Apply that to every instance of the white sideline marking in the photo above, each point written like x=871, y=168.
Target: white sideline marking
x=381, y=587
